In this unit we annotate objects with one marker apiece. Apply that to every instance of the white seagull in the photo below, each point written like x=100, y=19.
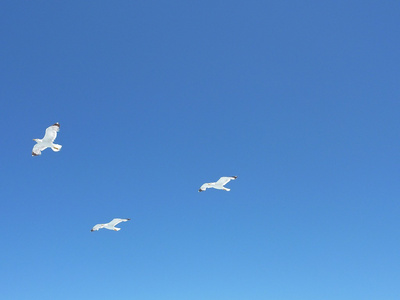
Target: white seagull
x=110, y=226
x=219, y=185
x=47, y=140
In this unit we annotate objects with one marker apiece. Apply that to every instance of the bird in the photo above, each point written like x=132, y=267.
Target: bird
x=219, y=185
x=110, y=226
x=47, y=140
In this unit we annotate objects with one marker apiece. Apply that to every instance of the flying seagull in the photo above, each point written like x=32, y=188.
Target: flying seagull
x=219, y=185
x=47, y=140
x=110, y=226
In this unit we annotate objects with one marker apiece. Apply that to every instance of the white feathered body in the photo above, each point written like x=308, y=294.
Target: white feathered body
x=47, y=140
x=219, y=185
x=110, y=226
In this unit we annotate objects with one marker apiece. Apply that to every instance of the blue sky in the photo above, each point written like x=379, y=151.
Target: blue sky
x=299, y=99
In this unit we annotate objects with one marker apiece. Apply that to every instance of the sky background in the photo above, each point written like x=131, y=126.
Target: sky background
x=299, y=99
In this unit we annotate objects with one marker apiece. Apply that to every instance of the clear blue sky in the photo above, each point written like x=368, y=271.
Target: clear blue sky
x=299, y=99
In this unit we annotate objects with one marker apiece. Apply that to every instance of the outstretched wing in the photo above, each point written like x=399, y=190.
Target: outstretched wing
x=97, y=227
x=37, y=149
x=225, y=180
x=115, y=222
x=51, y=133
x=205, y=186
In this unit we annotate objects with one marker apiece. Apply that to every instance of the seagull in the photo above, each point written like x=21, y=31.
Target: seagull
x=47, y=141
x=219, y=185
x=110, y=226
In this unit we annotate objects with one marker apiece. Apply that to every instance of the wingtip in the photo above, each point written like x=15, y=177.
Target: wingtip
x=56, y=124
x=91, y=230
x=34, y=154
x=200, y=190
x=235, y=177
x=128, y=219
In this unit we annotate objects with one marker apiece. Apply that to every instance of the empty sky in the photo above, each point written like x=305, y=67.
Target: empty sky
x=299, y=99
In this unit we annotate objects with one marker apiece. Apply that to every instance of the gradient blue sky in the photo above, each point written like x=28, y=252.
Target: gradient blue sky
x=300, y=99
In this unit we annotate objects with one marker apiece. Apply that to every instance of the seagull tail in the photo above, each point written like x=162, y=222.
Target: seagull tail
x=56, y=147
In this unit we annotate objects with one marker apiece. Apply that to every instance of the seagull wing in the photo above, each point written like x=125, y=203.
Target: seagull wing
x=205, y=186
x=97, y=227
x=51, y=133
x=37, y=149
x=115, y=222
x=225, y=180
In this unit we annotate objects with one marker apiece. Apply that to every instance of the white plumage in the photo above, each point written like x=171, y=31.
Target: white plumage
x=110, y=226
x=219, y=185
x=47, y=140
